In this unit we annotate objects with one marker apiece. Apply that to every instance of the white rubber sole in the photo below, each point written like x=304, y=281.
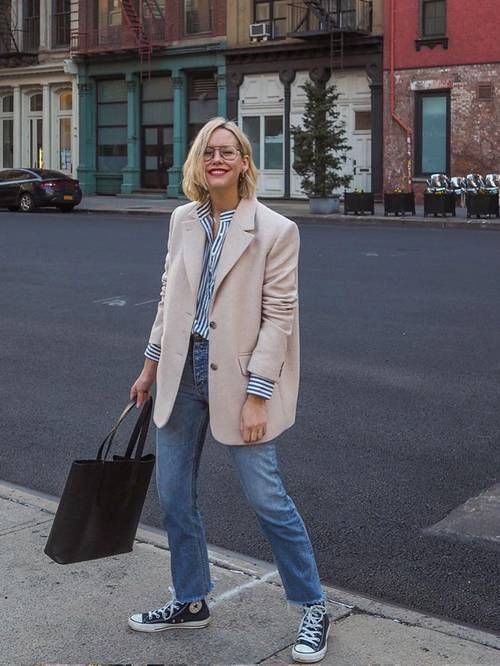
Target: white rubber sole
x=311, y=658
x=152, y=628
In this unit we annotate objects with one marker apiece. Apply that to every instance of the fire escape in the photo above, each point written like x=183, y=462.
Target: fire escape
x=12, y=53
x=336, y=18
x=141, y=27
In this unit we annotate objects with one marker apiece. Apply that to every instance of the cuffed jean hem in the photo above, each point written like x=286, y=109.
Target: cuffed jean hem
x=198, y=597
x=302, y=603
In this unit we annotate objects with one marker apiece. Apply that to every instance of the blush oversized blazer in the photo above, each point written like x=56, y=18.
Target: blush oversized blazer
x=253, y=316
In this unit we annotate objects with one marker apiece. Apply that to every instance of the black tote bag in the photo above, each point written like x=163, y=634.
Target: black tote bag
x=102, y=500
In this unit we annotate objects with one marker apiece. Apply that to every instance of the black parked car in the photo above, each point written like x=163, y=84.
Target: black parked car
x=27, y=189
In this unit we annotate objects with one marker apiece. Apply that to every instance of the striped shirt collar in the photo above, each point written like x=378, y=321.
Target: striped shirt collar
x=204, y=211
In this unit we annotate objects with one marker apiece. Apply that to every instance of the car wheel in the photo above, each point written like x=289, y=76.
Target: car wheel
x=66, y=209
x=26, y=203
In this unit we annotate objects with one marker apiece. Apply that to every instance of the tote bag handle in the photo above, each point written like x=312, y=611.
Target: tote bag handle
x=141, y=426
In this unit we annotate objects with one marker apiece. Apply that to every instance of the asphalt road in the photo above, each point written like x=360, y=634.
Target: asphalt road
x=399, y=411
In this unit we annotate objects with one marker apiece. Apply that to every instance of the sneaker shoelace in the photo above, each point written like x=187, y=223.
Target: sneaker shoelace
x=311, y=627
x=166, y=611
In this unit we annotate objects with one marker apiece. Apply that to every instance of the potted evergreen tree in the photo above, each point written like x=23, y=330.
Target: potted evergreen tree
x=320, y=147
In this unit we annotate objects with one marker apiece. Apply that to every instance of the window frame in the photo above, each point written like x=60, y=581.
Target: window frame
x=423, y=35
x=272, y=19
x=419, y=97
x=199, y=32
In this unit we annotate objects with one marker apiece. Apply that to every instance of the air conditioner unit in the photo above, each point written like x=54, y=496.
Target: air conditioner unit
x=260, y=30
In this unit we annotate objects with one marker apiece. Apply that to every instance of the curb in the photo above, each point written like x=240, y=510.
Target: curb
x=353, y=602
x=339, y=219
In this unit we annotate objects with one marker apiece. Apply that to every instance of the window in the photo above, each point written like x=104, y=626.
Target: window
x=7, y=130
x=31, y=25
x=64, y=130
x=362, y=120
x=114, y=13
x=266, y=137
x=36, y=102
x=251, y=127
x=432, y=147
x=60, y=22
x=197, y=16
x=485, y=91
x=35, y=129
x=111, y=125
x=202, y=101
x=275, y=12
x=433, y=18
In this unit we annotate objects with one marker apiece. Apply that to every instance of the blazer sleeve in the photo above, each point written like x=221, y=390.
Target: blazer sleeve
x=279, y=302
x=157, y=328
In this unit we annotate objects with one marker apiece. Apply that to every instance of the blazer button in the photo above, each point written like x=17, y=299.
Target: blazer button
x=214, y=366
x=213, y=324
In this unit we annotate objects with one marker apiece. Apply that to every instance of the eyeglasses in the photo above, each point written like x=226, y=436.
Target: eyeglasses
x=228, y=153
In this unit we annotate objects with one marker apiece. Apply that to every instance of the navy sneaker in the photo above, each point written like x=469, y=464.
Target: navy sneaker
x=174, y=615
x=311, y=643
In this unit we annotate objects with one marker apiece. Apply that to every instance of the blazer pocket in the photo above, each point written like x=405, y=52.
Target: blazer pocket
x=244, y=360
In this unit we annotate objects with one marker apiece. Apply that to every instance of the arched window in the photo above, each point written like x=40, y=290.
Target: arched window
x=66, y=101
x=36, y=102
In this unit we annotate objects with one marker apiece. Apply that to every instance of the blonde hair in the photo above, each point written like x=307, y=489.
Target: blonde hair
x=194, y=182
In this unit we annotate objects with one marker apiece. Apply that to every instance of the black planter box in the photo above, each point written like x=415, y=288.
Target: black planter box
x=482, y=205
x=359, y=202
x=399, y=203
x=439, y=204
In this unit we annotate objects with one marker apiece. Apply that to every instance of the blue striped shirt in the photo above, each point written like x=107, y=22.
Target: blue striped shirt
x=213, y=247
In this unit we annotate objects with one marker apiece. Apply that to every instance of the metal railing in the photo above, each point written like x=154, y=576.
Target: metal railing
x=327, y=16
x=60, y=29
x=31, y=34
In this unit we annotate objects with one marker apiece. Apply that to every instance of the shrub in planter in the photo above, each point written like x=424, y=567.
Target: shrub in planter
x=482, y=204
x=399, y=202
x=439, y=203
x=359, y=202
x=320, y=147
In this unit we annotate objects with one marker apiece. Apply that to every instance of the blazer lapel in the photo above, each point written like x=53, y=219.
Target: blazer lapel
x=238, y=237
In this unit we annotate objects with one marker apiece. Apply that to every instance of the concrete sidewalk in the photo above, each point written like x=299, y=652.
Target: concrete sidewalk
x=77, y=614
x=295, y=210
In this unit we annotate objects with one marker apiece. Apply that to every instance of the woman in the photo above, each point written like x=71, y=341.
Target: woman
x=224, y=350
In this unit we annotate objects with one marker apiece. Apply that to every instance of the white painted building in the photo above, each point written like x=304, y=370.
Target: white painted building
x=38, y=95
x=261, y=114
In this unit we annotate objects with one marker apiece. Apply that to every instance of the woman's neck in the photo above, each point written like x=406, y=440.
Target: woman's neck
x=222, y=201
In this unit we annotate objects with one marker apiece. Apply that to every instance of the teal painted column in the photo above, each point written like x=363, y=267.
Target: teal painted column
x=132, y=172
x=221, y=91
x=179, y=134
x=87, y=134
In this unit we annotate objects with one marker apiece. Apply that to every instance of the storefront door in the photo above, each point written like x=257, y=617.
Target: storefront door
x=157, y=156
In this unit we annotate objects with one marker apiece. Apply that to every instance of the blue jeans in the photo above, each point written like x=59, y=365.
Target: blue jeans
x=178, y=449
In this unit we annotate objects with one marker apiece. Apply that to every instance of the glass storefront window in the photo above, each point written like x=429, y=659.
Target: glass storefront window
x=432, y=134
x=7, y=142
x=36, y=102
x=251, y=127
x=65, y=159
x=8, y=104
x=111, y=125
x=273, y=142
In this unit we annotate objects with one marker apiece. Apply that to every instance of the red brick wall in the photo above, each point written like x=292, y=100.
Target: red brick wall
x=472, y=29
x=475, y=125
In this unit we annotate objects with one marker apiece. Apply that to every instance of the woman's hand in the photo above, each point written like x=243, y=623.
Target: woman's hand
x=142, y=385
x=253, y=421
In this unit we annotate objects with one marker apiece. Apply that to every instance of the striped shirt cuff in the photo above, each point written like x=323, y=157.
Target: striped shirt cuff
x=153, y=352
x=260, y=386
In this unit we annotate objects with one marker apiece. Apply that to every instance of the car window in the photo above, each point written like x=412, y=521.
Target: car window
x=52, y=174
x=16, y=175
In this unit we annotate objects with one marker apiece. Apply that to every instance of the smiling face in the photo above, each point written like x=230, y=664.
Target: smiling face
x=223, y=169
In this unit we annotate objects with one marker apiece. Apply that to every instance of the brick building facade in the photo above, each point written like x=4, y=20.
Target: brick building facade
x=441, y=91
